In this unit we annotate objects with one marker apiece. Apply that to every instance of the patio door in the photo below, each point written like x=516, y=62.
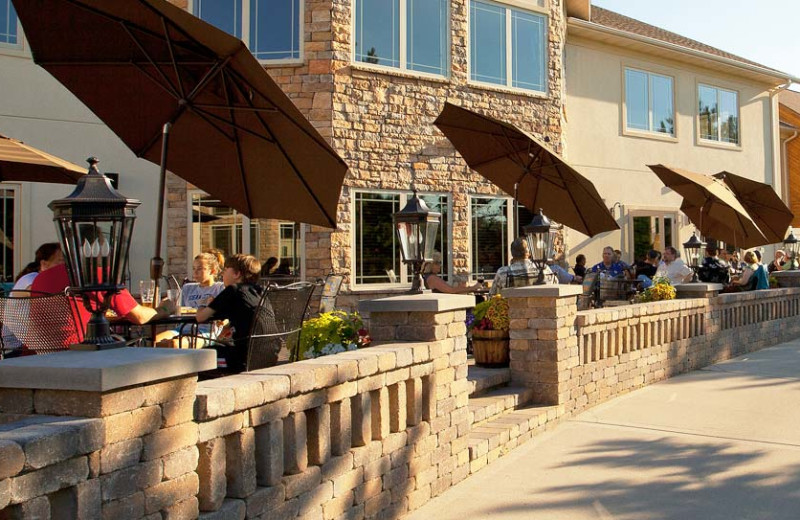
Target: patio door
x=9, y=231
x=652, y=231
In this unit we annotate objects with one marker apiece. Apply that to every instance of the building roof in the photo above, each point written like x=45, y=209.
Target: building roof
x=619, y=22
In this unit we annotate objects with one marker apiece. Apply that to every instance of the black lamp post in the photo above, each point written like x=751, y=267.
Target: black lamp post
x=95, y=224
x=791, y=246
x=416, y=228
x=540, y=238
x=692, y=248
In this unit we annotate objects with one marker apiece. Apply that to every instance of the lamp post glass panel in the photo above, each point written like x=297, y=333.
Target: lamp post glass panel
x=416, y=227
x=540, y=239
x=94, y=225
x=693, y=249
x=792, y=246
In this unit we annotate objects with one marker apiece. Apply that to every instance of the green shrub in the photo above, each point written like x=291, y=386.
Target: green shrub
x=331, y=333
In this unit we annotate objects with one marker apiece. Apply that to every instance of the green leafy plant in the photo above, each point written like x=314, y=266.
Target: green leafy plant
x=661, y=289
x=331, y=333
x=491, y=315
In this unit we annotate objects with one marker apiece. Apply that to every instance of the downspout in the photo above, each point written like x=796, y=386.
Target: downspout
x=785, y=167
x=773, y=124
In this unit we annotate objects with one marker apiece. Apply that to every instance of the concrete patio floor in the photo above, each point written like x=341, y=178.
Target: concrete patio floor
x=719, y=443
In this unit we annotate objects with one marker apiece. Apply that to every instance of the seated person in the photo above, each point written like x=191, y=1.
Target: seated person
x=237, y=303
x=714, y=269
x=673, y=268
x=754, y=276
x=646, y=268
x=562, y=275
x=430, y=275
x=520, y=265
x=580, y=266
x=790, y=263
x=56, y=279
x=779, y=261
x=609, y=265
x=269, y=266
x=198, y=294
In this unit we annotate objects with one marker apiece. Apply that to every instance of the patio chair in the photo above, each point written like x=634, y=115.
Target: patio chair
x=591, y=292
x=38, y=324
x=330, y=290
x=275, y=333
x=526, y=278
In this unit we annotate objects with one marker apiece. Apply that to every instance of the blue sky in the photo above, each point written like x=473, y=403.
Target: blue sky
x=767, y=31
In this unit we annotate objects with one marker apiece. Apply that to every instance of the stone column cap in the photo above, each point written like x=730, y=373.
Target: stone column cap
x=699, y=287
x=543, y=291
x=425, y=302
x=103, y=370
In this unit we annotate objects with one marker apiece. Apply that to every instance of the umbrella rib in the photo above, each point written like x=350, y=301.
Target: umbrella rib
x=239, y=157
x=172, y=56
x=232, y=124
x=150, y=59
x=205, y=116
x=236, y=108
x=119, y=63
x=211, y=74
x=155, y=80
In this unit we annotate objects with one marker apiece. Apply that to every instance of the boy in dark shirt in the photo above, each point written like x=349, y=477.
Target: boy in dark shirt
x=237, y=303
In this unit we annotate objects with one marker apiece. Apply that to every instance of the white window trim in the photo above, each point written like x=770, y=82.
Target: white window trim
x=525, y=5
x=510, y=218
x=403, y=68
x=639, y=211
x=19, y=49
x=711, y=143
x=21, y=197
x=650, y=134
x=404, y=271
x=246, y=33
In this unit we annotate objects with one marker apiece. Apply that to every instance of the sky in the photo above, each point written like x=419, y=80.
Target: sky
x=766, y=32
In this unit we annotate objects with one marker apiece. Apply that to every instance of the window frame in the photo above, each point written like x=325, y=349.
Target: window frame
x=403, y=46
x=246, y=33
x=18, y=49
x=541, y=8
x=18, y=240
x=404, y=272
x=701, y=141
x=650, y=133
x=511, y=226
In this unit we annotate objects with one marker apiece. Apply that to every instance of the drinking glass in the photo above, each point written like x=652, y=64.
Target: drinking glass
x=147, y=289
x=174, y=295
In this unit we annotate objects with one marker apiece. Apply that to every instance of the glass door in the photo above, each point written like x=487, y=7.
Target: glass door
x=8, y=231
x=651, y=231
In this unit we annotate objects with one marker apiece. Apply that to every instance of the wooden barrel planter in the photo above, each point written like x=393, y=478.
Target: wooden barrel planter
x=490, y=348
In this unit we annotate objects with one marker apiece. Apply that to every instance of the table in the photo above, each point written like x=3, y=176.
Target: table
x=618, y=288
x=180, y=321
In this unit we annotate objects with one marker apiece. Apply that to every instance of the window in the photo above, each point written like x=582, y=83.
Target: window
x=8, y=229
x=718, y=114
x=377, y=251
x=489, y=244
x=404, y=34
x=508, y=46
x=651, y=231
x=270, y=28
x=649, y=102
x=9, y=26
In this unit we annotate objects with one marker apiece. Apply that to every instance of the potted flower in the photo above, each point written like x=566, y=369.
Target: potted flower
x=331, y=333
x=661, y=289
x=489, y=329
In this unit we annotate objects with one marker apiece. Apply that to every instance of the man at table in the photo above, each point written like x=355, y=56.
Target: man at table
x=609, y=265
x=520, y=267
x=673, y=268
x=55, y=280
x=237, y=303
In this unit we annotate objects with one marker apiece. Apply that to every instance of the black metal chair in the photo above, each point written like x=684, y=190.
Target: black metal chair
x=275, y=332
x=330, y=290
x=591, y=292
x=38, y=324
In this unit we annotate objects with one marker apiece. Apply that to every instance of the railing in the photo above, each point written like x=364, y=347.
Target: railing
x=743, y=309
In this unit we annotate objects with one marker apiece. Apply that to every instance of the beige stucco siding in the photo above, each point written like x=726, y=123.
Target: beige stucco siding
x=599, y=146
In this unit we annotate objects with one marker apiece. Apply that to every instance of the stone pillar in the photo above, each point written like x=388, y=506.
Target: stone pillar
x=142, y=402
x=697, y=290
x=544, y=345
x=787, y=278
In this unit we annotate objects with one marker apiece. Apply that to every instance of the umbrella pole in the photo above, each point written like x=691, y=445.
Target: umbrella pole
x=157, y=263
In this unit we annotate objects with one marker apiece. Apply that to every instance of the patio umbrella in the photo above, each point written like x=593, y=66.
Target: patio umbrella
x=22, y=162
x=762, y=203
x=522, y=166
x=712, y=207
x=145, y=67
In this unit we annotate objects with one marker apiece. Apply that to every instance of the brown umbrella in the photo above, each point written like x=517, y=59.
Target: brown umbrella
x=523, y=167
x=712, y=207
x=22, y=162
x=144, y=65
x=762, y=203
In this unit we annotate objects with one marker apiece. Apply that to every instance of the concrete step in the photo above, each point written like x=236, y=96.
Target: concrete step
x=497, y=401
x=496, y=437
x=484, y=379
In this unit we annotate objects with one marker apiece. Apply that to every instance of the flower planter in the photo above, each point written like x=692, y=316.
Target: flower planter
x=490, y=348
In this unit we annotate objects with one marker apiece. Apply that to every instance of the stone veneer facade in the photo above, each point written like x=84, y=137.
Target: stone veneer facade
x=381, y=123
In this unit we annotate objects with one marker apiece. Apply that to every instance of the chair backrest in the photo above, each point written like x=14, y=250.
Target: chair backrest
x=391, y=275
x=330, y=290
x=275, y=332
x=38, y=324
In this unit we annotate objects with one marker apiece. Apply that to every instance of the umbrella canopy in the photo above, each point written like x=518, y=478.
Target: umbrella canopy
x=712, y=207
x=522, y=166
x=762, y=203
x=139, y=64
x=21, y=162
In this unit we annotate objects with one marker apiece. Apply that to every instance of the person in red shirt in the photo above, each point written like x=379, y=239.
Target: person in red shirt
x=55, y=280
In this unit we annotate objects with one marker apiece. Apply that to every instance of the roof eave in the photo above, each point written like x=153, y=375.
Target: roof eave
x=767, y=75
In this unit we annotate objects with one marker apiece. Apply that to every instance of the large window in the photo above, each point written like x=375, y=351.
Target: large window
x=718, y=113
x=489, y=231
x=649, y=102
x=9, y=26
x=651, y=231
x=270, y=28
x=377, y=251
x=508, y=46
x=8, y=228
x=405, y=34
